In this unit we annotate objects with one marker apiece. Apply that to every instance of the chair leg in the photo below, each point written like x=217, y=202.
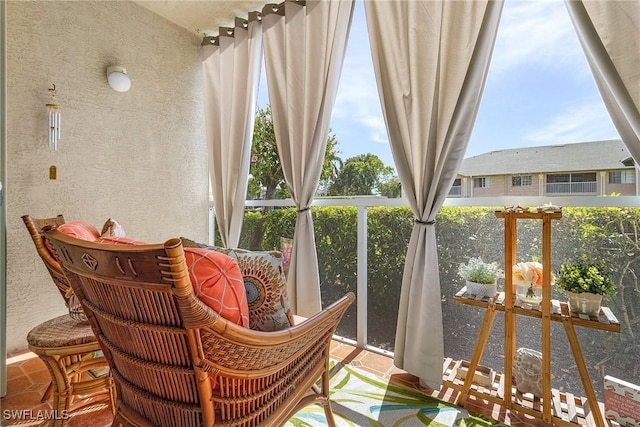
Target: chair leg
x=331, y=422
x=47, y=393
x=112, y=393
x=69, y=390
x=326, y=392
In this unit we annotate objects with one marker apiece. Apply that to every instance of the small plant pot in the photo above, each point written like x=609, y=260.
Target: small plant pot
x=481, y=290
x=584, y=303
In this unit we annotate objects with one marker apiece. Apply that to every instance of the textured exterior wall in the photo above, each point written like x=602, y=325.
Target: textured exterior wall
x=139, y=157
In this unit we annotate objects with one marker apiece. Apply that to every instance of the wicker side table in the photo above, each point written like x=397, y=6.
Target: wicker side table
x=79, y=373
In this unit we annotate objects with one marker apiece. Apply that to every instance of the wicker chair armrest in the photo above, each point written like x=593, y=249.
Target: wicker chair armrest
x=253, y=353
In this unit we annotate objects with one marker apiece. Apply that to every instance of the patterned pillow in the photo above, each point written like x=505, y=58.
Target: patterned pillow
x=112, y=228
x=286, y=246
x=265, y=286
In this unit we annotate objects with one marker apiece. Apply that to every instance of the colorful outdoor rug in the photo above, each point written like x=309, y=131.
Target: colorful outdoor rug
x=361, y=399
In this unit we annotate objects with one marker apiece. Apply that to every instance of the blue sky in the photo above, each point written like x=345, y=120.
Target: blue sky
x=539, y=91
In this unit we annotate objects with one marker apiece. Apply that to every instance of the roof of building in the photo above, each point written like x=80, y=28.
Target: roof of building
x=577, y=157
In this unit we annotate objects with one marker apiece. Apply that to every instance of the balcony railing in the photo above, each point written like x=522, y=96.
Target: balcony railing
x=572, y=188
x=373, y=269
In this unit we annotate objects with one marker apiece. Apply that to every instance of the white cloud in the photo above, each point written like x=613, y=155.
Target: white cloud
x=357, y=103
x=586, y=120
x=535, y=33
x=532, y=34
x=377, y=128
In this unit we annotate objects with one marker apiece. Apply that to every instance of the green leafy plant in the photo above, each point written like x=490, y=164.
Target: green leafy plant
x=478, y=271
x=583, y=275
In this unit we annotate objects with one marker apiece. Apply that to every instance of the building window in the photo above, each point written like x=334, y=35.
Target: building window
x=622, y=177
x=571, y=183
x=520, y=180
x=481, y=182
x=558, y=177
x=583, y=177
x=456, y=188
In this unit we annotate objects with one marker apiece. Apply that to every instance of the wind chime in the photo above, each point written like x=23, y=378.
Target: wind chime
x=54, y=120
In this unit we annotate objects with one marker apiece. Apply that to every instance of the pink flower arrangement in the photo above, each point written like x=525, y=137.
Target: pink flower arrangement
x=528, y=273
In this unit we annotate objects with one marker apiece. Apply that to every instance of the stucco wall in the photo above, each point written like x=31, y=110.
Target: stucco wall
x=139, y=157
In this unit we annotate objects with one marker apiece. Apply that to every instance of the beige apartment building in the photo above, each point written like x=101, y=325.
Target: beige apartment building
x=598, y=168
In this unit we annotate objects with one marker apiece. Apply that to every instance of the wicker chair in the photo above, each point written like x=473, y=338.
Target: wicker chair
x=175, y=361
x=69, y=349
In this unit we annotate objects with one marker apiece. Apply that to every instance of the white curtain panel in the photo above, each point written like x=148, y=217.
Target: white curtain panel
x=304, y=51
x=609, y=32
x=431, y=60
x=231, y=73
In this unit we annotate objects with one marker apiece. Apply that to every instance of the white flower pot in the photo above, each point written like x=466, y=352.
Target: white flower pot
x=481, y=290
x=584, y=303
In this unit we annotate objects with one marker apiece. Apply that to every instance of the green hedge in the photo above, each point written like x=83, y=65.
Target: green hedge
x=608, y=234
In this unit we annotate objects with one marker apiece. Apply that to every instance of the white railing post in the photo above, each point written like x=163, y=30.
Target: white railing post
x=362, y=278
x=212, y=227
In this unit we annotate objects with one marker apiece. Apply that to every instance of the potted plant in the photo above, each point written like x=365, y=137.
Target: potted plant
x=481, y=277
x=586, y=283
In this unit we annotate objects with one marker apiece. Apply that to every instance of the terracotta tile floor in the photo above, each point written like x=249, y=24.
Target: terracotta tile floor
x=28, y=379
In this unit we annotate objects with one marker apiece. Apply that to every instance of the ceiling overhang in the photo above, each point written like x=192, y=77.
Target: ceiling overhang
x=202, y=17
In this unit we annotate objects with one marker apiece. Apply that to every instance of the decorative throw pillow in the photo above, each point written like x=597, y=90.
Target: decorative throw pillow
x=80, y=230
x=217, y=282
x=286, y=246
x=265, y=285
x=111, y=228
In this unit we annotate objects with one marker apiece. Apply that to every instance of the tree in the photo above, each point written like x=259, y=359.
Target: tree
x=363, y=175
x=390, y=187
x=331, y=166
x=267, y=178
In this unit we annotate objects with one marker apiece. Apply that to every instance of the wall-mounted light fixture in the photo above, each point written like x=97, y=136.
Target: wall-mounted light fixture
x=54, y=120
x=118, y=78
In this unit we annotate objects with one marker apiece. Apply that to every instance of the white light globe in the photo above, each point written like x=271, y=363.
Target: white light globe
x=118, y=79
